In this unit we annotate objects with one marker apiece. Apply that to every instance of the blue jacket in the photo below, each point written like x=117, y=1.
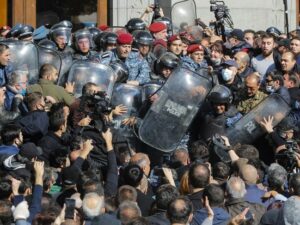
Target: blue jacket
x=8, y=150
x=5, y=72
x=254, y=194
x=221, y=217
x=138, y=67
x=9, y=97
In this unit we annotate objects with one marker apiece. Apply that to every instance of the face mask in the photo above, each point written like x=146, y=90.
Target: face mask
x=216, y=62
x=22, y=92
x=226, y=74
x=270, y=89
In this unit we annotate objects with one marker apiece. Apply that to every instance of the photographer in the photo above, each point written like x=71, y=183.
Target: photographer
x=286, y=147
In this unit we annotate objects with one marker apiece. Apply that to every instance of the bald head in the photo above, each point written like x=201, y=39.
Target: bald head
x=252, y=82
x=249, y=174
x=242, y=59
x=92, y=204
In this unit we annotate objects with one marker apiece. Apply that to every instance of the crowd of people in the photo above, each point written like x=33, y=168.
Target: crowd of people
x=64, y=161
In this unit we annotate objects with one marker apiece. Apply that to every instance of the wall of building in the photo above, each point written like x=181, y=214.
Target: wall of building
x=246, y=14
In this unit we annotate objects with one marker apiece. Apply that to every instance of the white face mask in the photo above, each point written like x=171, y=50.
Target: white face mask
x=216, y=62
x=227, y=74
x=270, y=89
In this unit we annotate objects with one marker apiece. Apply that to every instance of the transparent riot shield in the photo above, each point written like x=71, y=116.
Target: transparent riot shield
x=24, y=56
x=170, y=115
x=248, y=129
x=48, y=56
x=82, y=72
x=148, y=90
x=66, y=63
x=131, y=97
x=183, y=14
x=117, y=29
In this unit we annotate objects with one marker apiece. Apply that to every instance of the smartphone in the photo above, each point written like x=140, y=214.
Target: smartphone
x=70, y=208
x=249, y=216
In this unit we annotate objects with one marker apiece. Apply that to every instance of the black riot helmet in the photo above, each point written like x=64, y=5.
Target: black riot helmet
x=166, y=60
x=220, y=95
x=99, y=41
x=109, y=38
x=13, y=33
x=121, y=71
x=94, y=32
x=135, y=24
x=24, y=32
x=81, y=34
x=274, y=31
x=48, y=44
x=143, y=37
x=64, y=23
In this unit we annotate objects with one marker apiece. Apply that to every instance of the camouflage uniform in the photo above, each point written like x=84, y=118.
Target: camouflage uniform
x=138, y=67
x=247, y=103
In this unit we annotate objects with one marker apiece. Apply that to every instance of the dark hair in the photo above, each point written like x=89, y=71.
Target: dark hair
x=133, y=175
x=86, y=88
x=5, y=189
x=295, y=183
x=218, y=47
x=164, y=195
x=179, y=210
x=199, y=175
x=276, y=76
x=32, y=99
x=3, y=47
x=126, y=193
x=221, y=170
x=249, y=31
x=92, y=186
x=247, y=151
x=267, y=36
x=215, y=195
x=199, y=151
x=293, y=77
x=56, y=117
x=6, y=217
x=9, y=133
x=139, y=221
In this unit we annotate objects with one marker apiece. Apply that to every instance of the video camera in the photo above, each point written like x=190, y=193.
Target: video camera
x=222, y=16
x=287, y=157
x=96, y=106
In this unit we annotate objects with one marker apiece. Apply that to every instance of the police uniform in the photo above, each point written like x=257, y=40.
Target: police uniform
x=138, y=67
x=90, y=56
x=247, y=103
x=187, y=62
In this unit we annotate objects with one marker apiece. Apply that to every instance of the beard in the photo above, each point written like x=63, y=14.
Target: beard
x=268, y=53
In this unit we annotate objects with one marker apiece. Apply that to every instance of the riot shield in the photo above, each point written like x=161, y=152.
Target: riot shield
x=248, y=129
x=24, y=56
x=183, y=14
x=82, y=72
x=48, y=56
x=148, y=90
x=66, y=63
x=117, y=29
x=129, y=96
x=170, y=115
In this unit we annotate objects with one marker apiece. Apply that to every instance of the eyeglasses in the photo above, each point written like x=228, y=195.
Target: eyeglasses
x=268, y=81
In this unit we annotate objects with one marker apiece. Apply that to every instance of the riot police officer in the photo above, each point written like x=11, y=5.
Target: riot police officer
x=144, y=42
x=164, y=66
x=61, y=35
x=83, y=45
x=221, y=115
x=139, y=70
